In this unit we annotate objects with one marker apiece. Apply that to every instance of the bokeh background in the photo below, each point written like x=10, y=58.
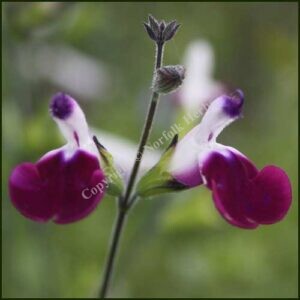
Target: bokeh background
x=174, y=245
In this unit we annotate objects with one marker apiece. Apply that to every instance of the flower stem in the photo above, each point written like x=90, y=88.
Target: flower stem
x=146, y=130
x=112, y=252
x=124, y=207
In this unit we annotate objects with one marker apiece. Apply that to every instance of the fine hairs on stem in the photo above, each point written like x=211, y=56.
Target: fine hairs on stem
x=160, y=32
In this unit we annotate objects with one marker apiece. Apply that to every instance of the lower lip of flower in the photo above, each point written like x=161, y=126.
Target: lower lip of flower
x=52, y=188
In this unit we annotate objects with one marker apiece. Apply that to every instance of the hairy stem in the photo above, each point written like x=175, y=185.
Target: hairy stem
x=124, y=207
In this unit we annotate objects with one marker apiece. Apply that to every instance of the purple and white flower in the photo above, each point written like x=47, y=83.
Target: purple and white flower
x=245, y=196
x=52, y=188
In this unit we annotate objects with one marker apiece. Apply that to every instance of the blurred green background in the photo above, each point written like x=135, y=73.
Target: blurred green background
x=174, y=245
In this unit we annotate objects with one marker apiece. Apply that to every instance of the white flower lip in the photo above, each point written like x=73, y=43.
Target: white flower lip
x=72, y=123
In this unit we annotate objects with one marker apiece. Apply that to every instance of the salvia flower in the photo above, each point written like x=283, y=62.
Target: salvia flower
x=67, y=183
x=245, y=196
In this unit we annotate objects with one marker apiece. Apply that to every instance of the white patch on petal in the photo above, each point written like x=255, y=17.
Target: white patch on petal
x=213, y=122
x=190, y=152
x=90, y=146
x=75, y=129
x=185, y=156
x=74, y=125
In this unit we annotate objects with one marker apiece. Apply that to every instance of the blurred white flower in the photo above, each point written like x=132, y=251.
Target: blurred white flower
x=65, y=67
x=124, y=153
x=199, y=88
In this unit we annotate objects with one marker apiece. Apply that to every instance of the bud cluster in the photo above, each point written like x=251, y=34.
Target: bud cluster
x=161, y=31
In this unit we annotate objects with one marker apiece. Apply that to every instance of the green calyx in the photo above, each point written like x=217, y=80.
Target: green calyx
x=115, y=184
x=158, y=180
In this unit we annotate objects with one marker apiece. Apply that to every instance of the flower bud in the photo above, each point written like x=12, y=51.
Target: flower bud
x=161, y=31
x=167, y=79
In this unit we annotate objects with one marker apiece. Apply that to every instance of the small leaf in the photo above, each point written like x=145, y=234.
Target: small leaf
x=113, y=178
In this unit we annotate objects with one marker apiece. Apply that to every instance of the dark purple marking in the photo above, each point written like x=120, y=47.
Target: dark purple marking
x=76, y=138
x=61, y=106
x=233, y=104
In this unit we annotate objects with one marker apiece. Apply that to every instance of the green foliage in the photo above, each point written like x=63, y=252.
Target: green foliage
x=158, y=180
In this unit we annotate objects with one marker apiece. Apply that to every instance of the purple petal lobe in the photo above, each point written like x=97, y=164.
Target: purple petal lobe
x=53, y=187
x=244, y=196
x=28, y=193
x=83, y=188
x=271, y=195
x=61, y=106
x=227, y=179
x=250, y=169
x=233, y=104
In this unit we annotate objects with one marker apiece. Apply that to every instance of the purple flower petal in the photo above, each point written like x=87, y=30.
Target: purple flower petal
x=52, y=188
x=244, y=196
x=28, y=193
x=249, y=167
x=271, y=196
x=227, y=179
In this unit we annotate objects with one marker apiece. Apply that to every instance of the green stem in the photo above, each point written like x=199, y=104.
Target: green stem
x=112, y=252
x=146, y=130
x=124, y=207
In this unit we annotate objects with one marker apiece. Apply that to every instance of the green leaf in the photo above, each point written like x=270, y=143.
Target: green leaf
x=113, y=177
x=158, y=180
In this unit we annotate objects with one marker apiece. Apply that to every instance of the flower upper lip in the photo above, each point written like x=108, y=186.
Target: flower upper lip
x=61, y=106
x=234, y=103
